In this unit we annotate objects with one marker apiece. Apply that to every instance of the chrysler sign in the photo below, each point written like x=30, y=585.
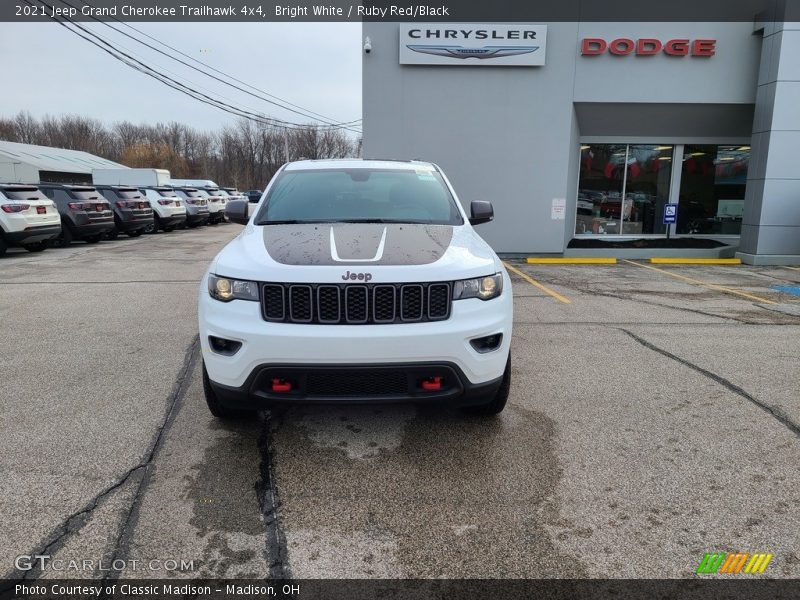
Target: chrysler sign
x=472, y=44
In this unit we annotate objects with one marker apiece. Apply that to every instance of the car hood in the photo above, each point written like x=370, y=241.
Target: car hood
x=327, y=253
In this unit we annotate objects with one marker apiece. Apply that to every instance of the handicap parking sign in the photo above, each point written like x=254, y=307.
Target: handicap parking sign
x=670, y=214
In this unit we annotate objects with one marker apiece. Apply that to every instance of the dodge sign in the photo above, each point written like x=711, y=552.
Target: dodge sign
x=472, y=44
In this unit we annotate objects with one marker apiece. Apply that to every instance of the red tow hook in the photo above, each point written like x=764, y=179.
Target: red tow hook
x=432, y=384
x=281, y=385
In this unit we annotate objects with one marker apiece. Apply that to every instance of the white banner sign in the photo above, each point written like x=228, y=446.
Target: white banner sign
x=558, y=211
x=472, y=44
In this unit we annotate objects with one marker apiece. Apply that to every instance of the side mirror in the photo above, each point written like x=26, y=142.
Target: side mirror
x=237, y=211
x=480, y=212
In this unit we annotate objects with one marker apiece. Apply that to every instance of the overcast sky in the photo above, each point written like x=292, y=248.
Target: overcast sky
x=314, y=65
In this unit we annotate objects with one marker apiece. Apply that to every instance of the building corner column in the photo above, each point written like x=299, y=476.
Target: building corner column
x=771, y=221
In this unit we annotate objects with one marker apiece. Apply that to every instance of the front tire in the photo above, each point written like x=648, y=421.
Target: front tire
x=214, y=405
x=498, y=402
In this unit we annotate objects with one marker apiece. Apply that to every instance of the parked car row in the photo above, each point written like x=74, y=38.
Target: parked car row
x=36, y=216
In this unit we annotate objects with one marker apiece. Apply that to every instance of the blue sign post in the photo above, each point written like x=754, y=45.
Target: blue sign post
x=670, y=216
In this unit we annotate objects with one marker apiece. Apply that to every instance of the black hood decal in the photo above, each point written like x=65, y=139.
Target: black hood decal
x=357, y=243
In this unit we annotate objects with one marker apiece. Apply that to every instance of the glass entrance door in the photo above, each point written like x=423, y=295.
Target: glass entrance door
x=623, y=188
x=712, y=189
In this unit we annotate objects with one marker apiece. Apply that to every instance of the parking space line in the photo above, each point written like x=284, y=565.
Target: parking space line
x=695, y=261
x=538, y=285
x=576, y=260
x=793, y=268
x=703, y=283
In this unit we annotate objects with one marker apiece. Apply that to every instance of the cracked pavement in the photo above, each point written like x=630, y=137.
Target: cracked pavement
x=650, y=421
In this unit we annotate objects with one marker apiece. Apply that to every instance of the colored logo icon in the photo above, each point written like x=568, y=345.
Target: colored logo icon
x=734, y=562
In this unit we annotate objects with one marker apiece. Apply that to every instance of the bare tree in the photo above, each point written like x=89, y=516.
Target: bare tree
x=245, y=154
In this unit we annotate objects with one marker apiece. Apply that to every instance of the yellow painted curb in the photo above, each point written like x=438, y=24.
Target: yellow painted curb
x=696, y=261
x=572, y=261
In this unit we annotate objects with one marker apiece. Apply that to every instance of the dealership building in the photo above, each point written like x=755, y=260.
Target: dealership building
x=28, y=163
x=585, y=131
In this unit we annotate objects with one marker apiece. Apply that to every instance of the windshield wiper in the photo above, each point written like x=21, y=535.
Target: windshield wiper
x=370, y=221
x=291, y=222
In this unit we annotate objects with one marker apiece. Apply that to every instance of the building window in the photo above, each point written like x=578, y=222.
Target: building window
x=712, y=189
x=623, y=188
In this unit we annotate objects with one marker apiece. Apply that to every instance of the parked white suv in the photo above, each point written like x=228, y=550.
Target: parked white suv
x=28, y=218
x=169, y=211
x=217, y=201
x=356, y=281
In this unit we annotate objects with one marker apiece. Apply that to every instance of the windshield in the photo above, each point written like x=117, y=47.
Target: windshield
x=167, y=193
x=360, y=195
x=191, y=193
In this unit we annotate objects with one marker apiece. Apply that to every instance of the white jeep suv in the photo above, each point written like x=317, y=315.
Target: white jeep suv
x=27, y=218
x=356, y=281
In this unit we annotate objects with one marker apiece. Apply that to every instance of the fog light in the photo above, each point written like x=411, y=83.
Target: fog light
x=489, y=343
x=223, y=346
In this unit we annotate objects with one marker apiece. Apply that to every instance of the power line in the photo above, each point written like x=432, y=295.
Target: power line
x=322, y=117
x=168, y=81
x=307, y=113
x=173, y=83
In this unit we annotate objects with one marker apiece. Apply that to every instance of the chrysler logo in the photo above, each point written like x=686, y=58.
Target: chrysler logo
x=463, y=52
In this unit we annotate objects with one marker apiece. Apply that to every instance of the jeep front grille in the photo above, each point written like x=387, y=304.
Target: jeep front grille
x=356, y=304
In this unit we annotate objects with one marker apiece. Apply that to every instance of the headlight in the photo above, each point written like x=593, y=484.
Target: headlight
x=484, y=288
x=225, y=290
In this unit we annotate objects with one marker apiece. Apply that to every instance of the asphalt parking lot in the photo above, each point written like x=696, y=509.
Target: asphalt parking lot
x=654, y=416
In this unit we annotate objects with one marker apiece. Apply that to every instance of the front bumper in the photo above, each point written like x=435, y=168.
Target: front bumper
x=355, y=384
x=437, y=342
x=32, y=235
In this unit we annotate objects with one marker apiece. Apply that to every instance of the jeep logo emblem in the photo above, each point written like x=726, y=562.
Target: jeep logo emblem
x=357, y=276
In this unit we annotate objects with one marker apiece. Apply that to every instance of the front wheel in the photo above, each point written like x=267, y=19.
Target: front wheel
x=214, y=405
x=111, y=235
x=497, y=402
